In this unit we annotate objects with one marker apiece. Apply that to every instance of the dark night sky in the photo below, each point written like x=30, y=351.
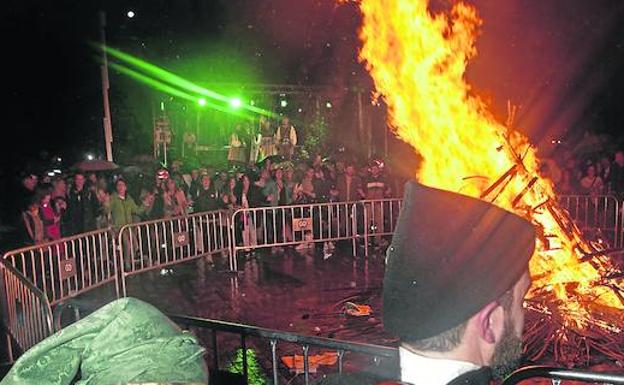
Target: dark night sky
x=560, y=60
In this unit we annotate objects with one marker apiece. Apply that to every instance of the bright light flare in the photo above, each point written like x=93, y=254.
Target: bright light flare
x=235, y=103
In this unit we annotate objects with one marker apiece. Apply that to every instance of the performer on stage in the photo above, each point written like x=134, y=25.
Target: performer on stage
x=268, y=139
x=287, y=138
x=238, y=148
x=255, y=141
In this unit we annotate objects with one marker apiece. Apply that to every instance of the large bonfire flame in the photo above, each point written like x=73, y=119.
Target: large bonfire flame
x=418, y=60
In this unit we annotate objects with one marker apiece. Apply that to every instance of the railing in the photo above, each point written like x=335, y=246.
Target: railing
x=279, y=226
x=74, y=265
x=274, y=337
x=69, y=266
x=379, y=219
x=595, y=216
x=620, y=243
x=26, y=311
x=156, y=244
x=558, y=374
x=263, y=227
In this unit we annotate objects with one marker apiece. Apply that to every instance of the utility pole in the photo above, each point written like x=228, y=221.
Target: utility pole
x=107, y=122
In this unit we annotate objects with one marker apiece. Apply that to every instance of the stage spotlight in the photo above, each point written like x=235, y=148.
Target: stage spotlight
x=130, y=14
x=235, y=103
x=201, y=102
x=328, y=105
x=283, y=103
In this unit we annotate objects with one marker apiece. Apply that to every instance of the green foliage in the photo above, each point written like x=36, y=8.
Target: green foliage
x=254, y=370
x=316, y=137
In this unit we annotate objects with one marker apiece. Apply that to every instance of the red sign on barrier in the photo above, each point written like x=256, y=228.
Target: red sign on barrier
x=302, y=224
x=67, y=267
x=181, y=239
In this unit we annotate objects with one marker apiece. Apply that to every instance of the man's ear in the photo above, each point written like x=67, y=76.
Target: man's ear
x=491, y=322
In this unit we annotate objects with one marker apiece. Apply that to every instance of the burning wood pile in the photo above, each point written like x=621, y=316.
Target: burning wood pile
x=418, y=61
x=567, y=323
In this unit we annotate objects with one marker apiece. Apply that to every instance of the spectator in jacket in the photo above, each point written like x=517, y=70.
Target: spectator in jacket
x=174, y=199
x=49, y=215
x=81, y=207
x=122, y=207
x=205, y=198
x=348, y=184
x=33, y=224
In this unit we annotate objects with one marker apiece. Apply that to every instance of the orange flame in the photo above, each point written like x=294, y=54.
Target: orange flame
x=418, y=61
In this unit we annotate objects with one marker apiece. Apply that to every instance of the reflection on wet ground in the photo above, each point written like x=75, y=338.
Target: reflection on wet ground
x=300, y=292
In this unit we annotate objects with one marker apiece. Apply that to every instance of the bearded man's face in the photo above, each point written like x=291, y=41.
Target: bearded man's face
x=508, y=353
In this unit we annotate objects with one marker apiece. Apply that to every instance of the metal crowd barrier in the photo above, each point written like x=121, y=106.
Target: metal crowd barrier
x=379, y=218
x=596, y=216
x=50, y=273
x=377, y=352
x=278, y=226
x=263, y=227
x=620, y=243
x=156, y=244
x=26, y=312
x=558, y=374
x=69, y=266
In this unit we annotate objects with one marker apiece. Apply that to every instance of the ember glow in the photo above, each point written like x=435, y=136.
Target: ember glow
x=418, y=61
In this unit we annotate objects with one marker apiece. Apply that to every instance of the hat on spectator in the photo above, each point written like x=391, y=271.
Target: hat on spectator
x=450, y=256
x=162, y=174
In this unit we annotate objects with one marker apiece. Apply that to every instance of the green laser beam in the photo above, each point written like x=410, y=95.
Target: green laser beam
x=176, y=80
x=152, y=82
x=156, y=84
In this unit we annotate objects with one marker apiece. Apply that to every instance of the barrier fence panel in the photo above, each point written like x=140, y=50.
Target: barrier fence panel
x=69, y=266
x=290, y=225
x=156, y=244
x=26, y=312
x=620, y=243
x=381, y=356
x=379, y=219
x=596, y=216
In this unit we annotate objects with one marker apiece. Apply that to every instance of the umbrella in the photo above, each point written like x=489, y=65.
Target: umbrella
x=95, y=165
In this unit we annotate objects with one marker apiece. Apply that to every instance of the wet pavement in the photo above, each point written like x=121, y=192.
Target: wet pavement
x=288, y=290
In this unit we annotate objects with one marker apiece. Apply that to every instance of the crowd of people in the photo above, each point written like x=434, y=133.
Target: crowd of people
x=599, y=176
x=58, y=207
